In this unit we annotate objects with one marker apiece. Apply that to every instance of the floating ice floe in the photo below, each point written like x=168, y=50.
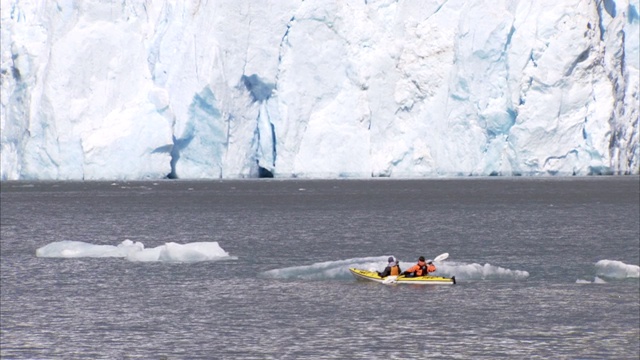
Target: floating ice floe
x=596, y=280
x=339, y=269
x=135, y=251
x=463, y=271
x=612, y=269
x=617, y=269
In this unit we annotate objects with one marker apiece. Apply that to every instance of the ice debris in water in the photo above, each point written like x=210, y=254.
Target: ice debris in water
x=617, y=269
x=339, y=269
x=135, y=251
x=479, y=272
x=596, y=280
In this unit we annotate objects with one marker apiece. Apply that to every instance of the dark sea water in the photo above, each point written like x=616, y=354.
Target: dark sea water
x=525, y=252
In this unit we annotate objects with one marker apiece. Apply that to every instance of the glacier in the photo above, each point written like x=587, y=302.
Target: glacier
x=124, y=90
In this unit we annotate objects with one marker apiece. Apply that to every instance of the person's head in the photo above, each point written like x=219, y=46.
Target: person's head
x=421, y=258
x=391, y=259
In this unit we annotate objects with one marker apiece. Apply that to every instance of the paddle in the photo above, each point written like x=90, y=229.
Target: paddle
x=441, y=257
x=393, y=278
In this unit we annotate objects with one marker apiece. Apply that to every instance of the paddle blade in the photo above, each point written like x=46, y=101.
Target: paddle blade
x=390, y=279
x=441, y=257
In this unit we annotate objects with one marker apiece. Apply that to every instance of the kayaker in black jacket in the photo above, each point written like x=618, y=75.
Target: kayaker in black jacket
x=393, y=268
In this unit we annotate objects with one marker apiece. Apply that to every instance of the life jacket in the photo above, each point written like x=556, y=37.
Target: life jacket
x=422, y=271
x=395, y=270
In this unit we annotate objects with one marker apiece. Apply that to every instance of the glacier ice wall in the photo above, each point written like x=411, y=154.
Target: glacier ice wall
x=238, y=88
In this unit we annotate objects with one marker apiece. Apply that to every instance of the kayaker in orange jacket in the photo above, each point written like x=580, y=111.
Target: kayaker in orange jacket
x=422, y=268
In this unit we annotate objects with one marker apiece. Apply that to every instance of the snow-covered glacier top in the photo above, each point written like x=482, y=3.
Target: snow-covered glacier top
x=240, y=88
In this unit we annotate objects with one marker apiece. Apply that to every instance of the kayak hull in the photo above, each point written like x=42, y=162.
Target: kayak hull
x=420, y=280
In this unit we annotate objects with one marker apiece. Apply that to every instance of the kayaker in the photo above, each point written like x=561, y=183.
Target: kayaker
x=422, y=268
x=393, y=268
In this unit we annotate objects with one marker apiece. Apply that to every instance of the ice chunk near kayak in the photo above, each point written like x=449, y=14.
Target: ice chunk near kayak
x=338, y=269
x=475, y=271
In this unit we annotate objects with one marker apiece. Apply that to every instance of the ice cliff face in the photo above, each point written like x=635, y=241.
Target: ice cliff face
x=227, y=88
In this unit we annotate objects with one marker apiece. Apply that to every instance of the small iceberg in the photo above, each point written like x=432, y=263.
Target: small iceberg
x=617, y=269
x=135, y=251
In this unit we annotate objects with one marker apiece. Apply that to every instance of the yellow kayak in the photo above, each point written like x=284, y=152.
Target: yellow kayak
x=422, y=280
